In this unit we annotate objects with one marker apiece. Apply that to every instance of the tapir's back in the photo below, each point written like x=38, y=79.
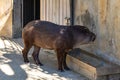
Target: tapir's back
x=43, y=33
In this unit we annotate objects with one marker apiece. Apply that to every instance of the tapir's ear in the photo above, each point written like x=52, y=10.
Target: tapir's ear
x=71, y=26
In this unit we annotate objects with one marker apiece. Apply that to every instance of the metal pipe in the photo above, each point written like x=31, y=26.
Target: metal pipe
x=71, y=12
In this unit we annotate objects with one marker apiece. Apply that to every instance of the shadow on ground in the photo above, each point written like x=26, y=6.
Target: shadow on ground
x=12, y=66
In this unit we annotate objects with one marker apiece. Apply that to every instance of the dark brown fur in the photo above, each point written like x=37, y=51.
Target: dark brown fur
x=43, y=34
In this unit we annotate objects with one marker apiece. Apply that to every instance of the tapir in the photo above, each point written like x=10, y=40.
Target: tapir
x=60, y=38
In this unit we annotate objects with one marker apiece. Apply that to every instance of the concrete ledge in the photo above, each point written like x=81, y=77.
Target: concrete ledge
x=108, y=70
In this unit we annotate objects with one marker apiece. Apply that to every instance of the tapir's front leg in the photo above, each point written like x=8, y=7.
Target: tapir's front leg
x=60, y=59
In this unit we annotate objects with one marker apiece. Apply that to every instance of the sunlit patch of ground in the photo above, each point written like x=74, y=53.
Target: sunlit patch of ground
x=12, y=66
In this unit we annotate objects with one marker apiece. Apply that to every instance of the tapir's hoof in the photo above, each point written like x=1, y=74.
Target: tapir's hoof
x=61, y=70
x=40, y=64
x=26, y=61
x=66, y=68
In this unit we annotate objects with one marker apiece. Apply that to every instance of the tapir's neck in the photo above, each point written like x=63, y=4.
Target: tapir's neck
x=77, y=40
x=72, y=36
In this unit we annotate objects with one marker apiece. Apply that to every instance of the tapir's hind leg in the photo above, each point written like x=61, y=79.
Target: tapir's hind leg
x=25, y=51
x=36, y=55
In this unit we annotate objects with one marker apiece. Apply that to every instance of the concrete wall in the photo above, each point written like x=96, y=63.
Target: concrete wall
x=103, y=18
x=109, y=27
x=17, y=19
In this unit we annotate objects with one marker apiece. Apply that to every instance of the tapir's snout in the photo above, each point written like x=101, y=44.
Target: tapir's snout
x=93, y=37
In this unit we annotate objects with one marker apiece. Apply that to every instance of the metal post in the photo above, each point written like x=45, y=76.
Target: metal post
x=72, y=12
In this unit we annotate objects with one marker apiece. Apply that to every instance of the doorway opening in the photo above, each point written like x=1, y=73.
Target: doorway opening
x=31, y=11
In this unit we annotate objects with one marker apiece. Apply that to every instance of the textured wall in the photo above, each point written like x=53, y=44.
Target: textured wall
x=17, y=19
x=7, y=28
x=6, y=18
x=103, y=18
x=109, y=27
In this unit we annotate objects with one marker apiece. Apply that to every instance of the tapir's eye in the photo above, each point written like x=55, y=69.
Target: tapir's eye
x=86, y=33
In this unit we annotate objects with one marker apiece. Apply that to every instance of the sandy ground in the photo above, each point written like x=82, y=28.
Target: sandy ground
x=12, y=66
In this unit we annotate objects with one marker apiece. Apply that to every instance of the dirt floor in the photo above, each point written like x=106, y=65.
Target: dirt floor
x=12, y=66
